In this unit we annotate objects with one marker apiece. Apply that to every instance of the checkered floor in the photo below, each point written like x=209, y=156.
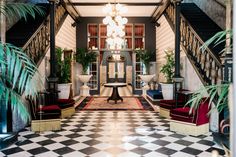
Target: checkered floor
x=111, y=134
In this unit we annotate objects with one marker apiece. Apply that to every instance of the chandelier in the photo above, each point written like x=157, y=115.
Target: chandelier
x=115, y=25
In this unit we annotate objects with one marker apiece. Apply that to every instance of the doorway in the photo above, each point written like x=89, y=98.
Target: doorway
x=116, y=69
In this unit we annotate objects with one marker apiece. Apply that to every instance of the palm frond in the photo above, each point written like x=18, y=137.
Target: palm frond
x=19, y=75
x=20, y=10
x=214, y=92
x=217, y=39
x=14, y=98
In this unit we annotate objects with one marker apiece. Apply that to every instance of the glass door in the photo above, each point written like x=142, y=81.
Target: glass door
x=115, y=70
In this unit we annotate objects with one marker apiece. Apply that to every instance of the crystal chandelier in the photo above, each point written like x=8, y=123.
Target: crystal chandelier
x=115, y=25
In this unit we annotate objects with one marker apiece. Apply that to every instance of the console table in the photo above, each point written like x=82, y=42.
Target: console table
x=115, y=94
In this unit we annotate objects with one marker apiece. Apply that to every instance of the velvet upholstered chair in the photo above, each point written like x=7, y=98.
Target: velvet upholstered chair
x=195, y=123
x=167, y=105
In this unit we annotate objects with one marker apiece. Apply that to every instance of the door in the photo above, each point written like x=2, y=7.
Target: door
x=116, y=70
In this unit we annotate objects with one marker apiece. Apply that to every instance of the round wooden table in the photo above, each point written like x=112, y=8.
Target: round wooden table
x=115, y=94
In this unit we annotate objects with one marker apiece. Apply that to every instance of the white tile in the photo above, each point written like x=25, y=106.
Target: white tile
x=54, y=146
x=169, y=139
x=151, y=146
x=60, y=139
x=82, y=138
x=20, y=154
x=175, y=146
x=155, y=154
x=199, y=146
x=102, y=146
x=101, y=154
x=1, y=154
x=191, y=139
x=182, y=154
x=127, y=146
x=128, y=154
x=38, y=139
x=74, y=154
x=79, y=146
x=205, y=154
x=30, y=146
x=47, y=154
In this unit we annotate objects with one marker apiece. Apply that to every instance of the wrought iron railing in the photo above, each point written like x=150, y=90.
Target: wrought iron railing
x=207, y=65
x=37, y=46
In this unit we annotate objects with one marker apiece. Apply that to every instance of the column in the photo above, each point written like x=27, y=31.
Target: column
x=53, y=80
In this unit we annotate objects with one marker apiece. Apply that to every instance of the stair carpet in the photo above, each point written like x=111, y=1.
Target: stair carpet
x=204, y=26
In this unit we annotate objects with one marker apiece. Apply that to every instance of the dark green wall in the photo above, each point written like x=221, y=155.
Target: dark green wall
x=150, y=34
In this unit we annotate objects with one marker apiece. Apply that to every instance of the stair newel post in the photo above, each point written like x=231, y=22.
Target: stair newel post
x=53, y=80
x=177, y=77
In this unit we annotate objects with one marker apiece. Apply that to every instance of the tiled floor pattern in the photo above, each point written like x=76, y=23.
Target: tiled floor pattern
x=111, y=134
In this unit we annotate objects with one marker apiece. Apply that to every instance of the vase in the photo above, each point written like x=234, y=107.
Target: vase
x=84, y=90
x=146, y=79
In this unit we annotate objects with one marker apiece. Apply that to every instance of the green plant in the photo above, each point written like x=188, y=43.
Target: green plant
x=218, y=93
x=85, y=57
x=146, y=57
x=168, y=68
x=18, y=73
x=64, y=66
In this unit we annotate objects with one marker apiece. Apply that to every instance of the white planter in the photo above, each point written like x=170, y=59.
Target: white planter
x=167, y=91
x=64, y=90
x=84, y=90
x=146, y=79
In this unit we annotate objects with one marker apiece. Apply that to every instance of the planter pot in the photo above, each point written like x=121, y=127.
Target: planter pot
x=146, y=79
x=84, y=90
x=167, y=91
x=64, y=90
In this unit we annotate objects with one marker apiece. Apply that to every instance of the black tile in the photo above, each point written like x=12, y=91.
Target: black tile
x=92, y=142
x=155, y=135
x=21, y=143
x=52, y=135
x=221, y=152
x=69, y=142
x=31, y=136
x=140, y=151
x=206, y=142
x=184, y=142
x=39, y=150
x=166, y=151
x=161, y=142
x=46, y=142
x=73, y=135
x=94, y=135
x=192, y=151
x=177, y=135
x=89, y=150
x=12, y=150
x=64, y=150
x=138, y=142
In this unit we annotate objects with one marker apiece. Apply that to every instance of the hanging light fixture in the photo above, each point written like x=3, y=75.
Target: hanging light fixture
x=115, y=25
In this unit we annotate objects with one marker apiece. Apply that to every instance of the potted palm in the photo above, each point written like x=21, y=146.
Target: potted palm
x=85, y=58
x=146, y=57
x=63, y=74
x=168, y=70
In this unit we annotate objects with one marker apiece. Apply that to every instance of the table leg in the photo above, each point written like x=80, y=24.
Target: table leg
x=115, y=95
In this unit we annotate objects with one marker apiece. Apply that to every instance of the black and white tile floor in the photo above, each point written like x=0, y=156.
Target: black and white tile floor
x=111, y=134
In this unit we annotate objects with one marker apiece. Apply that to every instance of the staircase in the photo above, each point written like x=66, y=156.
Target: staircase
x=33, y=35
x=195, y=29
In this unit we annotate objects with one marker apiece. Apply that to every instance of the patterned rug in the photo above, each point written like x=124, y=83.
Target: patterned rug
x=100, y=103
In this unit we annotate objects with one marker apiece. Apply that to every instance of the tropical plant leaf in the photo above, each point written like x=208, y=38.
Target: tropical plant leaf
x=19, y=75
x=218, y=93
x=20, y=10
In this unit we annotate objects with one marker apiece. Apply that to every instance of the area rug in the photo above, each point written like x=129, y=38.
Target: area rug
x=100, y=103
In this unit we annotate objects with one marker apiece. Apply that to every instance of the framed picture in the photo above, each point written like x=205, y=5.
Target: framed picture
x=221, y=2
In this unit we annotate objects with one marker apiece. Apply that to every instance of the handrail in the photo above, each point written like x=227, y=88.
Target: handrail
x=208, y=66
x=38, y=43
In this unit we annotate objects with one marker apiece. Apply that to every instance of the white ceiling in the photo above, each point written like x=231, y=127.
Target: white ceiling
x=133, y=11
